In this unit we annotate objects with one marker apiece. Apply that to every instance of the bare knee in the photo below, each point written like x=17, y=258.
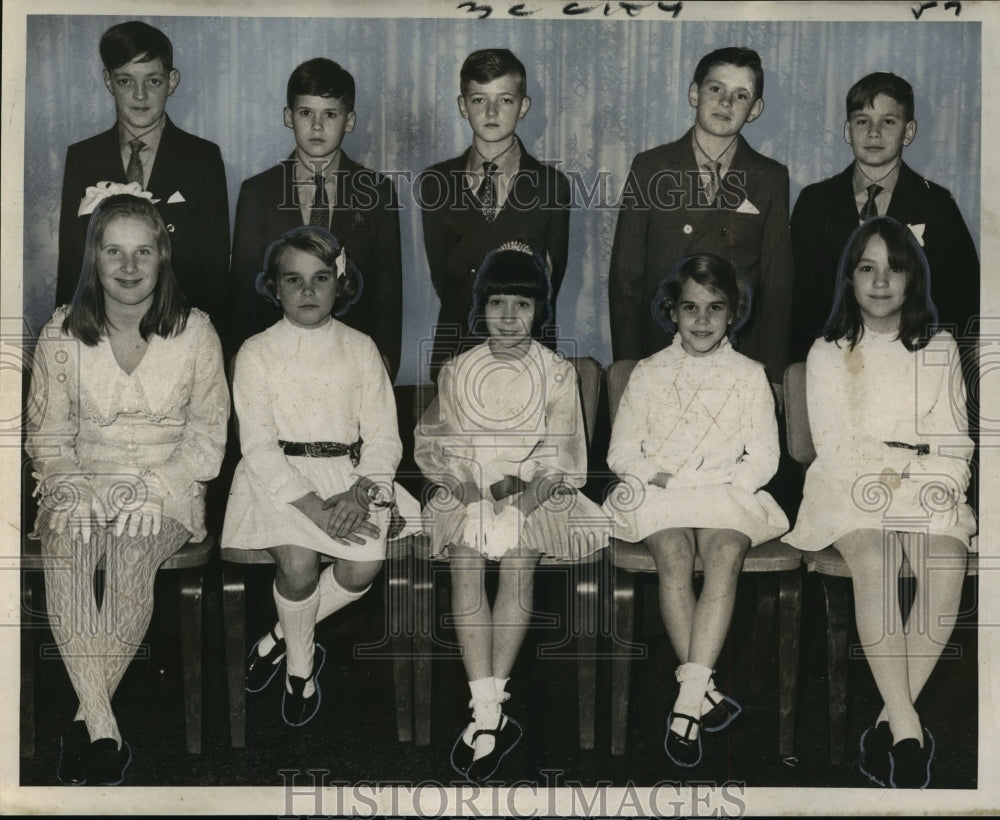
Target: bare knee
x=297, y=571
x=722, y=553
x=356, y=576
x=673, y=553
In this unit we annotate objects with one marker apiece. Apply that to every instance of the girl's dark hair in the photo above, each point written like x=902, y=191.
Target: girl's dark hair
x=512, y=271
x=709, y=271
x=324, y=246
x=87, y=318
x=918, y=318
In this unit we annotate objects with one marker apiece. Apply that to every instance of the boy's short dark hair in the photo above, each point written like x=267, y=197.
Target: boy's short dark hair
x=737, y=56
x=865, y=90
x=134, y=40
x=488, y=64
x=320, y=77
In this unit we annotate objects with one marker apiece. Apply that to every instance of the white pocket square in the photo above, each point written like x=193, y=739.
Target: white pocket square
x=747, y=207
x=176, y=196
x=918, y=232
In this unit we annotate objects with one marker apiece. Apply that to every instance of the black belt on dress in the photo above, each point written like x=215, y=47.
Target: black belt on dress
x=920, y=449
x=323, y=449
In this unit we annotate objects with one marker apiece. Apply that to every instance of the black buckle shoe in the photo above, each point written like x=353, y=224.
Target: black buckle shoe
x=262, y=668
x=723, y=712
x=910, y=763
x=873, y=761
x=107, y=763
x=505, y=737
x=461, y=753
x=74, y=746
x=296, y=708
x=683, y=750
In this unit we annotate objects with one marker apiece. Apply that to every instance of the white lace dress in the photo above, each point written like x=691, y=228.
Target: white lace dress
x=709, y=422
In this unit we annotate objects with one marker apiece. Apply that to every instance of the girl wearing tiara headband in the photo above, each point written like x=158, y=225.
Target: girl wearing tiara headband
x=694, y=440
x=505, y=439
x=320, y=447
x=888, y=419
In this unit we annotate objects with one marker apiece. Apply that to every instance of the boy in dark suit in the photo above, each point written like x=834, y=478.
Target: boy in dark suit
x=320, y=185
x=708, y=192
x=493, y=193
x=879, y=125
x=183, y=173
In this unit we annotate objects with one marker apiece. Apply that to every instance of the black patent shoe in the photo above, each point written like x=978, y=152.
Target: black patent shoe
x=296, y=708
x=873, y=760
x=461, y=754
x=723, y=712
x=910, y=763
x=106, y=763
x=505, y=737
x=261, y=669
x=74, y=746
x=683, y=749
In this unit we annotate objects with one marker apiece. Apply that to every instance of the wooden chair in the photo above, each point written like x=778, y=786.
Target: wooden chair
x=583, y=618
x=834, y=574
x=778, y=567
x=190, y=561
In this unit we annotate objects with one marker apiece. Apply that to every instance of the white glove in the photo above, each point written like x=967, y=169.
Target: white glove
x=478, y=519
x=504, y=533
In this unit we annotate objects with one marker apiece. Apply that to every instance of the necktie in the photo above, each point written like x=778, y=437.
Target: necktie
x=869, y=210
x=487, y=192
x=319, y=213
x=712, y=184
x=134, y=171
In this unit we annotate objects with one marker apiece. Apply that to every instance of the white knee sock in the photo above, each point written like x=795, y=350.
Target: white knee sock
x=332, y=597
x=298, y=621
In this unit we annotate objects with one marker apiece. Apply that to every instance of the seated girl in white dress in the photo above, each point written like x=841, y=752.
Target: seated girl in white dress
x=694, y=440
x=506, y=441
x=320, y=446
x=126, y=422
x=888, y=420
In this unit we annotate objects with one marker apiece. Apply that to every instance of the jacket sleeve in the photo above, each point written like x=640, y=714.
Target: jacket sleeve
x=776, y=278
x=389, y=314
x=213, y=239
x=71, y=233
x=557, y=242
x=628, y=263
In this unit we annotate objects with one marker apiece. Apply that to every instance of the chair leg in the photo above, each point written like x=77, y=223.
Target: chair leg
x=235, y=617
x=836, y=592
x=399, y=602
x=192, y=583
x=28, y=654
x=621, y=660
x=789, y=628
x=767, y=597
x=423, y=603
x=586, y=618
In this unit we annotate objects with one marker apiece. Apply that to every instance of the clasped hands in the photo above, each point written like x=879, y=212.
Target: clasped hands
x=343, y=516
x=86, y=504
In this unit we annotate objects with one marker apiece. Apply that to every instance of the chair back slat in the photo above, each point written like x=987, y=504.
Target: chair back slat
x=800, y=443
x=618, y=376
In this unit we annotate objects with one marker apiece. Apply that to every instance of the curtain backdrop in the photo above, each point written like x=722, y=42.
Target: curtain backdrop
x=601, y=92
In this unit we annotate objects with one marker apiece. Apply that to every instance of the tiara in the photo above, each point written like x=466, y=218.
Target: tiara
x=514, y=245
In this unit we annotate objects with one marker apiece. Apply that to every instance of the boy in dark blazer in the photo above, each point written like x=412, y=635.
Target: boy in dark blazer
x=357, y=205
x=183, y=173
x=879, y=125
x=528, y=201
x=708, y=192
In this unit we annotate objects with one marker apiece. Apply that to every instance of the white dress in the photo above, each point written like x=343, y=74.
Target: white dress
x=309, y=385
x=166, y=420
x=858, y=400
x=499, y=415
x=708, y=421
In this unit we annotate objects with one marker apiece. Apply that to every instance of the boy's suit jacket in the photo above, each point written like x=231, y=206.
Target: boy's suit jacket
x=657, y=226
x=365, y=221
x=457, y=236
x=189, y=180
x=826, y=214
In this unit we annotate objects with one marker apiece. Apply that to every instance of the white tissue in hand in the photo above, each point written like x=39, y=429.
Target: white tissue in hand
x=504, y=533
x=478, y=518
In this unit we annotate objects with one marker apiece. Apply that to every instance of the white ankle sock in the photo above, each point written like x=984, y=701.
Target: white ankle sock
x=485, y=715
x=693, y=678
x=298, y=622
x=332, y=597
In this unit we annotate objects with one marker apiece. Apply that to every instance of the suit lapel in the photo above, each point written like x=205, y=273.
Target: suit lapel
x=165, y=165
